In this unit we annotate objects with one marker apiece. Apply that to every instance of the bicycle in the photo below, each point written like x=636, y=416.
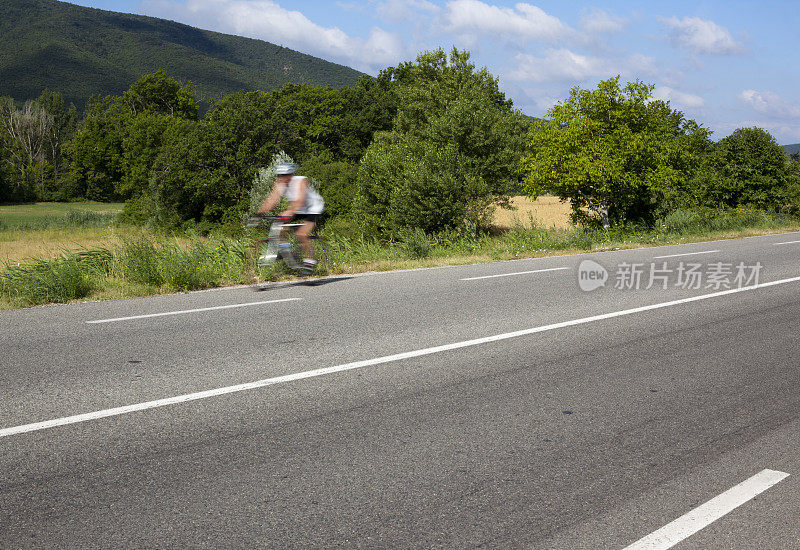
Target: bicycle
x=276, y=250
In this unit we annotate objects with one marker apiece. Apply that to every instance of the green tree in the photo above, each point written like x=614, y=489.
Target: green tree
x=32, y=141
x=314, y=116
x=204, y=170
x=62, y=130
x=95, y=151
x=159, y=93
x=332, y=123
x=242, y=131
x=6, y=171
x=184, y=182
x=117, y=142
x=452, y=151
x=747, y=167
x=27, y=130
x=792, y=202
x=614, y=152
x=370, y=107
x=335, y=181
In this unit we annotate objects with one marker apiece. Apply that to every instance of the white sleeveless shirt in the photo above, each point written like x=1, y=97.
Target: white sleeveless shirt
x=314, y=203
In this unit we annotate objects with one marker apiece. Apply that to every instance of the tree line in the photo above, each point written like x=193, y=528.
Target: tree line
x=621, y=157
x=430, y=144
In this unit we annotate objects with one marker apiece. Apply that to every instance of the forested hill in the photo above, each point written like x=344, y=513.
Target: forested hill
x=84, y=51
x=792, y=149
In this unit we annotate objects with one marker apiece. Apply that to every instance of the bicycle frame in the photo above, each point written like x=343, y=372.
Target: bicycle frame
x=274, y=250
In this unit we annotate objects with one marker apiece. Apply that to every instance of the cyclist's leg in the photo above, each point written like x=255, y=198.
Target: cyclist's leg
x=283, y=247
x=303, y=234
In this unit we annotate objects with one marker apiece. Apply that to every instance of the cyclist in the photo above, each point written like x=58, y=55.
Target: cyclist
x=305, y=205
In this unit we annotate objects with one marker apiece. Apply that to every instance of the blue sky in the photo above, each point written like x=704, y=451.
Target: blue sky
x=727, y=64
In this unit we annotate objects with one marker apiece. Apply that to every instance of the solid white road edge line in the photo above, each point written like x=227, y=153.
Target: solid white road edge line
x=787, y=242
x=181, y=312
x=366, y=363
x=516, y=273
x=705, y=514
x=685, y=254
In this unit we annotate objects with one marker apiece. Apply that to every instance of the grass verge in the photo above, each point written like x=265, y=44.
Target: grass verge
x=143, y=263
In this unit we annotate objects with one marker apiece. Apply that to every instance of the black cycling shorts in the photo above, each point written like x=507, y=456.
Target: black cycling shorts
x=306, y=218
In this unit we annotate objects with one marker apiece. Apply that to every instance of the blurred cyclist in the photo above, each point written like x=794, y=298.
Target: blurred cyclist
x=305, y=204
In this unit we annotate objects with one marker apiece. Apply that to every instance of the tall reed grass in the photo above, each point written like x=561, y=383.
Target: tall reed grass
x=46, y=281
x=157, y=265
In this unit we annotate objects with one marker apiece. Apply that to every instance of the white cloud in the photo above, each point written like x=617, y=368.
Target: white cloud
x=382, y=48
x=563, y=65
x=267, y=20
x=350, y=6
x=546, y=101
x=678, y=98
x=701, y=36
x=523, y=22
x=638, y=65
x=770, y=103
x=597, y=21
x=405, y=10
x=556, y=65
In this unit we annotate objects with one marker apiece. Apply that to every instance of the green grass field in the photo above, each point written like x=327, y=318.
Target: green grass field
x=48, y=214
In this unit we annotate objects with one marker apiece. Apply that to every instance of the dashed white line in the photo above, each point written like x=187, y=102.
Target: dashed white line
x=705, y=514
x=367, y=363
x=184, y=311
x=787, y=242
x=515, y=273
x=686, y=254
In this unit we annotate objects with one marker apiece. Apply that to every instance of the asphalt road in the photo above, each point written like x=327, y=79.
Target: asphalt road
x=493, y=405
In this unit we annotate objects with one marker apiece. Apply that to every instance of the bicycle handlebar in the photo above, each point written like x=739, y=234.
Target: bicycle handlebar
x=253, y=221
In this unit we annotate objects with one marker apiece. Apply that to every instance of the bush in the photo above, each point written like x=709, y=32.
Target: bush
x=404, y=183
x=202, y=265
x=453, y=150
x=416, y=243
x=335, y=181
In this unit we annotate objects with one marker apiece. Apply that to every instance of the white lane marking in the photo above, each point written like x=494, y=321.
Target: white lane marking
x=686, y=254
x=705, y=514
x=368, y=362
x=183, y=311
x=787, y=242
x=516, y=273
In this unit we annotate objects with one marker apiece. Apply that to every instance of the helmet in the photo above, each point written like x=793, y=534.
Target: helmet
x=285, y=168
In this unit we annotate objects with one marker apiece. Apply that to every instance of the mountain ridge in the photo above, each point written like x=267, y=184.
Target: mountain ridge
x=81, y=52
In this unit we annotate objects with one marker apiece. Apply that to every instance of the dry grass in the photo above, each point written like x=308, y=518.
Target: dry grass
x=18, y=246
x=546, y=211
x=20, y=242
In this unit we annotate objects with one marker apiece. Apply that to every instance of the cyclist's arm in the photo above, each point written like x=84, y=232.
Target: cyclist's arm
x=272, y=199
